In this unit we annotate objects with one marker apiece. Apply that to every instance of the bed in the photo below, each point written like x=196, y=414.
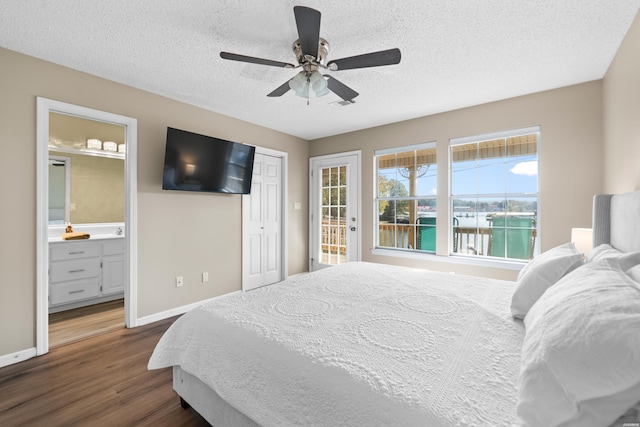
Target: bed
x=371, y=344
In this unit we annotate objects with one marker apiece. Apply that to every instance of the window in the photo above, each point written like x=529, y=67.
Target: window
x=406, y=198
x=494, y=194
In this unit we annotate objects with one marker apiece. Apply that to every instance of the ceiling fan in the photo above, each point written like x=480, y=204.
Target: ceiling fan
x=311, y=52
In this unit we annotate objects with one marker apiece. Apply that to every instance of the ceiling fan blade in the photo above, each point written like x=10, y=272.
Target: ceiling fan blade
x=280, y=90
x=340, y=89
x=308, y=23
x=373, y=59
x=254, y=60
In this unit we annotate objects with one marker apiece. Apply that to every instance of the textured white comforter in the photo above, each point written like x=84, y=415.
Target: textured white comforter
x=358, y=345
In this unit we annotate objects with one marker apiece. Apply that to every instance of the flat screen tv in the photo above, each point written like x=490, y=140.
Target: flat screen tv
x=194, y=162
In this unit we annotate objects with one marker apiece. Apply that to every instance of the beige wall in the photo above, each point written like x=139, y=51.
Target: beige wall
x=570, y=160
x=179, y=233
x=622, y=116
x=580, y=125
x=97, y=188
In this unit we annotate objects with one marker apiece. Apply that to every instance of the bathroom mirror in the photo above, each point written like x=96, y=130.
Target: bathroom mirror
x=59, y=189
x=86, y=184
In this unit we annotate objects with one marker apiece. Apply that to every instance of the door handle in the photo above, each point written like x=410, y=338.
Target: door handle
x=353, y=229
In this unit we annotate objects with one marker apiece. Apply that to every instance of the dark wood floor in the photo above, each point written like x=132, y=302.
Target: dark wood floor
x=100, y=381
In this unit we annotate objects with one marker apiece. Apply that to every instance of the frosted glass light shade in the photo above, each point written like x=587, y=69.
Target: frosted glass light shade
x=300, y=85
x=303, y=82
x=94, y=144
x=110, y=146
x=322, y=92
x=318, y=84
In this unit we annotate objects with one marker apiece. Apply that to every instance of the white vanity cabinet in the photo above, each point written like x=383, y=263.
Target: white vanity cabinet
x=85, y=272
x=113, y=267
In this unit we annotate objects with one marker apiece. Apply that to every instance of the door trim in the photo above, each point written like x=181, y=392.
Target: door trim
x=44, y=107
x=284, y=246
x=358, y=188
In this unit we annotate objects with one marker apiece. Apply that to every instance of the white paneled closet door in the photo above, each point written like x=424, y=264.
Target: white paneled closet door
x=262, y=224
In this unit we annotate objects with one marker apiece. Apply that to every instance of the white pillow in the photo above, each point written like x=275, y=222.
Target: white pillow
x=605, y=251
x=581, y=351
x=634, y=273
x=540, y=273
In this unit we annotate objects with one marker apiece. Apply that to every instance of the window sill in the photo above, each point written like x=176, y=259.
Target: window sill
x=453, y=259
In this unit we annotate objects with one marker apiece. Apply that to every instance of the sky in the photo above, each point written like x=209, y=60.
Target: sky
x=492, y=176
x=495, y=176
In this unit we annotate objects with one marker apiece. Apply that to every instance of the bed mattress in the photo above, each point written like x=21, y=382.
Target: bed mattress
x=358, y=344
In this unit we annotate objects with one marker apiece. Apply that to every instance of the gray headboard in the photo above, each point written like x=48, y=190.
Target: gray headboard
x=616, y=221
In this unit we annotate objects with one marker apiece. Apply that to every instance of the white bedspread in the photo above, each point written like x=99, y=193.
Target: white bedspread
x=358, y=345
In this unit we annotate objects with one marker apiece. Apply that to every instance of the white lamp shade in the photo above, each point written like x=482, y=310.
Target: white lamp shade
x=582, y=238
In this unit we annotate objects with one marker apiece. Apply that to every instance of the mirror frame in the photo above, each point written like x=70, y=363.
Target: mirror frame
x=44, y=107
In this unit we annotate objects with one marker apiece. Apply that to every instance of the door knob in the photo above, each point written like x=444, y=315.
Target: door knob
x=353, y=229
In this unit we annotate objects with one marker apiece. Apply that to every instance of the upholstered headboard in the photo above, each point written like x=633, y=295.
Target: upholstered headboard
x=616, y=221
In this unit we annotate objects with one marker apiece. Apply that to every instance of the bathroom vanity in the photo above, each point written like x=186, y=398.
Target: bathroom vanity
x=85, y=272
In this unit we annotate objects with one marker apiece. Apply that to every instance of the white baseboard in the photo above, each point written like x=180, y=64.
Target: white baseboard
x=19, y=356
x=298, y=274
x=141, y=321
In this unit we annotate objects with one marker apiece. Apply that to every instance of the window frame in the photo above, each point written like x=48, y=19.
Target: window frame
x=377, y=199
x=444, y=170
x=506, y=195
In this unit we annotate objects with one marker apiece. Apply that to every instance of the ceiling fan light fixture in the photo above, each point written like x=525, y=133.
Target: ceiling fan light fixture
x=311, y=52
x=304, y=92
x=318, y=84
x=299, y=84
x=322, y=92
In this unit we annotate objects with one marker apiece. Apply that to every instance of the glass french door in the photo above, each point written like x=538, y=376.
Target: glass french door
x=334, y=209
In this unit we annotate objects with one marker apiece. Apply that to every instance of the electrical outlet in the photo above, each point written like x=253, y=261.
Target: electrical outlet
x=179, y=282
x=205, y=277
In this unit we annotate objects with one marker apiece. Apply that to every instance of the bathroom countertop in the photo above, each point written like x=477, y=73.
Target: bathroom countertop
x=92, y=237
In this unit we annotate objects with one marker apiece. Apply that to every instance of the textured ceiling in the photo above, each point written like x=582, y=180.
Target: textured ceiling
x=455, y=53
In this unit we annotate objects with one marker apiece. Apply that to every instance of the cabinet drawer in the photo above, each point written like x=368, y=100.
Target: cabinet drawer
x=69, y=251
x=113, y=247
x=72, y=270
x=74, y=291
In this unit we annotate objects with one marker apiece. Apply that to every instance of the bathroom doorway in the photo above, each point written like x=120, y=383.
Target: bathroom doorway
x=85, y=286
x=86, y=192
